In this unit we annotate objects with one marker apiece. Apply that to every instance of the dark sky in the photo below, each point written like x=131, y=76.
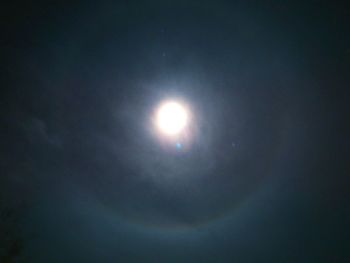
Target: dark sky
x=265, y=176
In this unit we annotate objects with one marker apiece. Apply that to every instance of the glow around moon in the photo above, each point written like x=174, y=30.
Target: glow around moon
x=171, y=118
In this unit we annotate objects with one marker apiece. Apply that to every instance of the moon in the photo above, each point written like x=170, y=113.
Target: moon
x=171, y=118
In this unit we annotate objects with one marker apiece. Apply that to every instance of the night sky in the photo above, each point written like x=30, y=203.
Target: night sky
x=264, y=176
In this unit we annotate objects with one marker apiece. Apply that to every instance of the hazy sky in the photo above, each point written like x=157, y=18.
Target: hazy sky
x=85, y=177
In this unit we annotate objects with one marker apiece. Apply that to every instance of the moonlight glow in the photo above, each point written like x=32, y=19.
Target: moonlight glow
x=171, y=118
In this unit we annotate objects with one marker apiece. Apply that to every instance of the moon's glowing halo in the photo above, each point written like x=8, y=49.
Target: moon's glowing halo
x=172, y=122
x=171, y=118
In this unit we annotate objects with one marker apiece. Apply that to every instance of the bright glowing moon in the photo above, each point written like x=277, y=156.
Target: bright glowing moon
x=171, y=118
